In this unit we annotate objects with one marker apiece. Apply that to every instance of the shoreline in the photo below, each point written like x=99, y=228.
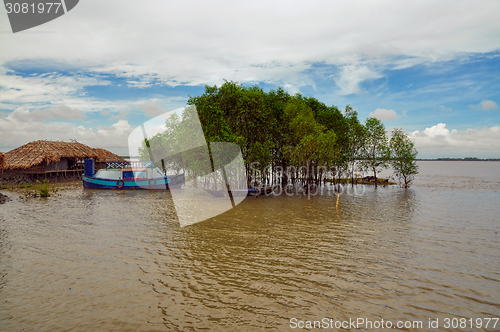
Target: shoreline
x=16, y=186
x=458, y=159
x=10, y=185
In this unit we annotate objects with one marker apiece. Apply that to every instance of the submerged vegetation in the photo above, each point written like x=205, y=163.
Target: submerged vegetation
x=288, y=139
x=38, y=190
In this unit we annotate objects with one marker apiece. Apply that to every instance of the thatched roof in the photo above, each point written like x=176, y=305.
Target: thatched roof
x=107, y=156
x=36, y=152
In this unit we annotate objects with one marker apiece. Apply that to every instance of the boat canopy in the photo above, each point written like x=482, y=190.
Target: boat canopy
x=129, y=164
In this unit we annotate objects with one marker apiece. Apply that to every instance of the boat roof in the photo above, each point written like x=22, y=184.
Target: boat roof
x=120, y=165
x=124, y=169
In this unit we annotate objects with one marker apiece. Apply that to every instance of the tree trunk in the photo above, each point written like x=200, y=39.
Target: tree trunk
x=352, y=174
x=334, y=183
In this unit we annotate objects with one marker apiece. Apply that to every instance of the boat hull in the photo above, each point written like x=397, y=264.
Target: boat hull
x=175, y=181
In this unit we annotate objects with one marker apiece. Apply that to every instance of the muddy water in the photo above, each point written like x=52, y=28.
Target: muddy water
x=118, y=261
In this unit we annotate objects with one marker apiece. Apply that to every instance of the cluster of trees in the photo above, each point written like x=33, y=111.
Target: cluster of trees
x=285, y=139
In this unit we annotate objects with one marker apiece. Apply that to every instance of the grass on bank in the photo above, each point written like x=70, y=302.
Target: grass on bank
x=38, y=190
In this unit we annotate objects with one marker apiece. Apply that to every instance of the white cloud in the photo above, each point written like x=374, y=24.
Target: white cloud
x=437, y=130
x=60, y=112
x=291, y=89
x=152, y=109
x=444, y=108
x=120, y=116
x=485, y=105
x=22, y=126
x=121, y=128
x=192, y=43
x=488, y=105
x=44, y=89
x=384, y=115
x=351, y=76
x=195, y=43
x=440, y=141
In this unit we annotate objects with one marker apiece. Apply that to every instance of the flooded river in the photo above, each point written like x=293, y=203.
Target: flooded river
x=91, y=260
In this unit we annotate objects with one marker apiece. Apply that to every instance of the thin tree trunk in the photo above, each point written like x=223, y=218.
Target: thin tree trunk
x=352, y=174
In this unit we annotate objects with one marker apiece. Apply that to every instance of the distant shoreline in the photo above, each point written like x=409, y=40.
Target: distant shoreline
x=459, y=159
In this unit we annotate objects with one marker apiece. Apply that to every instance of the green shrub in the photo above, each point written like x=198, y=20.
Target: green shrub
x=44, y=191
x=38, y=191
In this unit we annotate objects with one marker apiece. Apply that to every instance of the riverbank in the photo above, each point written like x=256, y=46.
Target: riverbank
x=366, y=180
x=69, y=183
x=21, y=182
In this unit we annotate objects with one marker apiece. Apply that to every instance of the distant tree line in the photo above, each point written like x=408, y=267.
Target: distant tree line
x=289, y=139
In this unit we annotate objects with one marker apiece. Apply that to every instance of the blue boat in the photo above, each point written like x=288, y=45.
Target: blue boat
x=128, y=175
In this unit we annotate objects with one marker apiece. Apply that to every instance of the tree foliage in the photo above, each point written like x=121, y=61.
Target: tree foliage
x=403, y=154
x=283, y=138
x=375, y=152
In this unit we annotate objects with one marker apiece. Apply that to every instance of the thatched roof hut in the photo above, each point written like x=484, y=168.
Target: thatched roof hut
x=43, y=156
x=50, y=152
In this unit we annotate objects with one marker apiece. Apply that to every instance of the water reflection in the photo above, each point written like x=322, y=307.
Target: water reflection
x=290, y=255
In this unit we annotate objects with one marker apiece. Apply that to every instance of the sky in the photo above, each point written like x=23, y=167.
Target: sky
x=94, y=74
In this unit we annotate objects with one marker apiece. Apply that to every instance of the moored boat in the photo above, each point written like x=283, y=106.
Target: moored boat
x=129, y=175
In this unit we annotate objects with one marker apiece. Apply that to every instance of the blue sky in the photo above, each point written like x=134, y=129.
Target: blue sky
x=102, y=69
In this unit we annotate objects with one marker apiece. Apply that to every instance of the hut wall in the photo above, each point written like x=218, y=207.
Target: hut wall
x=37, y=169
x=62, y=165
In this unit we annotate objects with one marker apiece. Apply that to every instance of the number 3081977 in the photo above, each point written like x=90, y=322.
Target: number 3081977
x=470, y=323
x=39, y=8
